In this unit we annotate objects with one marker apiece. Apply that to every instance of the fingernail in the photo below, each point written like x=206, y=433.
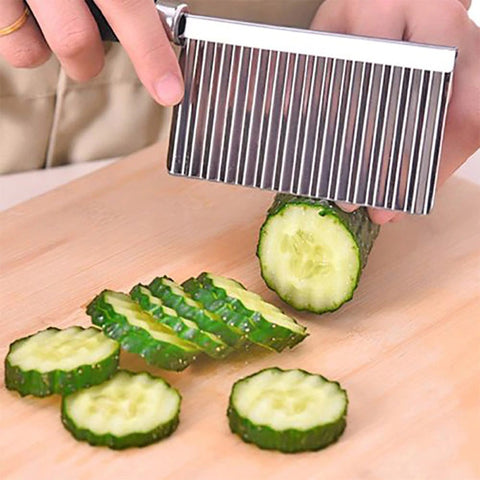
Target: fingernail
x=382, y=217
x=169, y=89
x=347, y=207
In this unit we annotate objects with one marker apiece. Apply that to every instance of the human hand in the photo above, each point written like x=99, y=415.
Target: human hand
x=440, y=22
x=68, y=29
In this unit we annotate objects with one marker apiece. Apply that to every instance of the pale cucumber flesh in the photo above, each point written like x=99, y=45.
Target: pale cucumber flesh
x=291, y=399
x=123, y=405
x=124, y=305
x=311, y=260
x=287, y=410
x=63, y=350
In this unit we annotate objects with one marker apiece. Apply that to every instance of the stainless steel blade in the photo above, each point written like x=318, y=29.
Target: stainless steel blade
x=351, y=119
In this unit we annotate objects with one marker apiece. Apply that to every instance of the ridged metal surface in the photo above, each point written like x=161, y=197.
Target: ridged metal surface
x=344, y=130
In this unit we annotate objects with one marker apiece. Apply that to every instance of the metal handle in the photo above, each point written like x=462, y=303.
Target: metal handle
x=173, y=19
x=172, y=16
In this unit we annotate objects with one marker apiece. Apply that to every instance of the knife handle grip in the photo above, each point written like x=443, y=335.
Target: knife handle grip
x=170, y=14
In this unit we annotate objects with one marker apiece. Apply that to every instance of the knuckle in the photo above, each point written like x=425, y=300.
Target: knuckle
x=28, y=56
x=382, y=8
x=124, y=5
x=73, y=41
x=156, y=54
x=466, y=119
x=376, y=3
x=457, y=14
x=474, y=124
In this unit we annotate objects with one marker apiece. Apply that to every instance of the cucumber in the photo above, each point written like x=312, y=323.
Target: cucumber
x=60, y=361
x=186, y=329
x=287, y=410
x=174, y=296
x=262, y=322
x=122, y=319
x=312, y=253
x=209, y=300
x=129, y=410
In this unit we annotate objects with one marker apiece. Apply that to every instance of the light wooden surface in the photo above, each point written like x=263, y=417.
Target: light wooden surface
x=406, y=348
x=16, y=188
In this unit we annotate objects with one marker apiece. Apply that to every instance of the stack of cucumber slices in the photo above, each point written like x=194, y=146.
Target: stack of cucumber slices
x=169, y=325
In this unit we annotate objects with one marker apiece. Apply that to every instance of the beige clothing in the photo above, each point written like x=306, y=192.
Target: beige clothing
x=48, y=120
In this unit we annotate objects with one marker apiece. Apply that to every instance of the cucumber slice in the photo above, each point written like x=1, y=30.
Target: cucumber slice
x=129, y=410
x=287, y=410
x=184, y=328
x=262, y=322
x=60, y=361
x=174, y=296
x=122, y=319
x=312, y=253
x=209, y=300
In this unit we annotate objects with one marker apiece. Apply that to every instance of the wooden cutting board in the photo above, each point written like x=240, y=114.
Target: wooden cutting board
x=407, y=348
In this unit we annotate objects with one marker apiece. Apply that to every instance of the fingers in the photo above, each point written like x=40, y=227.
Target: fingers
x=440, y=22
x=25, y=47
x=139, y=29
x=446, y=22
x=347, y=207
x=72, y=34
x=381, y=216
x=376, y=18
x=466, y=3
x=69, y=30
x=330, y=17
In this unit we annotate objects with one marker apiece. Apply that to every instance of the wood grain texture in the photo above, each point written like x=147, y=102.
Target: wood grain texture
x=406, y=348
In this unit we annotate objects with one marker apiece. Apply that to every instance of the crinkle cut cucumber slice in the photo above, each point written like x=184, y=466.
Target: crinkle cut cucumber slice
x=312, y=253
x=122, y=319
x=60, y=361
x=287, y=410
x=209, y=299
x=174, y=296
x=262, y=322
x=129, y=410
x=186, y=329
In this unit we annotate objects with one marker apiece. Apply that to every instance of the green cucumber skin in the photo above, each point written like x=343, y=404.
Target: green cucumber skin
x=256, y=328
x=209, y=323
x=216, y=302
x=287, y=441
x=59, y=382
x=358, y=224
x=214, y=349
x=140, y=439
x=137, y=340
x=291, y=441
